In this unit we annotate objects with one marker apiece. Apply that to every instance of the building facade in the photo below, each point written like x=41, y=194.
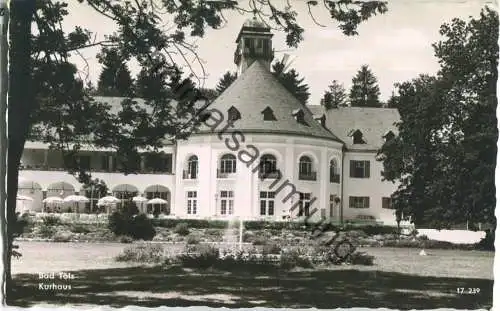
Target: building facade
x=261, y=154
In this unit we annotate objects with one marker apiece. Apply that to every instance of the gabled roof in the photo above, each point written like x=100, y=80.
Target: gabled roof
x=255, y=90
x=372, y=122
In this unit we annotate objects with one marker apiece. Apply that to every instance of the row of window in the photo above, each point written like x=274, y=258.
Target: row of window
x=267, y=203
x=268, y=166
x=364, y=202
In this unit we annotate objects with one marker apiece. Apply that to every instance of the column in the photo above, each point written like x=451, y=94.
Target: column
x=45, y=158
x=110, y=163
x=324, y=179
x=143, y=163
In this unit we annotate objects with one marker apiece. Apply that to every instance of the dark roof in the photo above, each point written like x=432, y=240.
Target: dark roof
x=254, y=91
x=373, y=123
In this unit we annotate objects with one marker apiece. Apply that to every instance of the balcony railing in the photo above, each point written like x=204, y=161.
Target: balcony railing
x=335, y=178
x=307, y=175
x=223, y=175
x=270, y=175
x=95, y=170
x=189, y=175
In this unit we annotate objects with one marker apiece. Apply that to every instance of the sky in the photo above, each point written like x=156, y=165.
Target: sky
x=397, y=45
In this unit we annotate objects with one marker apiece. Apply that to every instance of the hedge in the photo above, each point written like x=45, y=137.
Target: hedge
x=260, y=225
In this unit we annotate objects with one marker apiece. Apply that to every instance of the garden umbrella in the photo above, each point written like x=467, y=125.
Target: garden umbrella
x=139, y=200
x=108, y=201
x=23, y=199
x=76, y=199
x=157, y=201
x=52, y=200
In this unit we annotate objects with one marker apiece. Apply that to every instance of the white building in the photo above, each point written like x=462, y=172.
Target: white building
x=260, y=155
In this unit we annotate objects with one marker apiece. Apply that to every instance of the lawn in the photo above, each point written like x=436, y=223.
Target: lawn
x=399, y=279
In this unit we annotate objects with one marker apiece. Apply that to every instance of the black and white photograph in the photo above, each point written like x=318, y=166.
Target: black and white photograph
x=281, y=154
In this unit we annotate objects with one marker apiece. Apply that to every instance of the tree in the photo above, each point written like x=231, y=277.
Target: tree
x=364, y=91
x=48, y=102
x=227, y=79
x=445, y=153
x=115, y=78
x=291, y=81
x=335, y=96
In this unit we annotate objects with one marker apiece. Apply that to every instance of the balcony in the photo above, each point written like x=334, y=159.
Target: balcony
x=307, y=176
x=335, y=178
x=270, y=175
x=224, y=175
x=189, y=175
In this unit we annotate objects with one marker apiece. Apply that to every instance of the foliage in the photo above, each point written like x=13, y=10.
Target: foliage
x=365, y=91
x=79, y=228
x=291, y=81
x=361, y=258
x=202, y=257
x=62, y=236
x=192, y=239
x=46, y=231
x=115, y=78
x=51, y=220
x=128, y=222
x=143, y=253
x=444, y=156
x=182, y=229
x=292, y=258
x=488, y=242
x=227, y=79
x=335, y=96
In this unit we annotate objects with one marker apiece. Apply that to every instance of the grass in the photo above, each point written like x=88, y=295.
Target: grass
x=399, y=279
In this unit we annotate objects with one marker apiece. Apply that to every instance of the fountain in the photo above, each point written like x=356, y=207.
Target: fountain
x=230, y=238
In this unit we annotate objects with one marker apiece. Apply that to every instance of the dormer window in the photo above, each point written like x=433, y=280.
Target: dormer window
x=233, y=114
x=389, y=136
x=357, y=137
x=321, y=119
x=268, y=114
x=299, y=116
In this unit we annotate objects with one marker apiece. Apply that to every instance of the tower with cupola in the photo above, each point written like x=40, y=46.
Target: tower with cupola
x=254, y=42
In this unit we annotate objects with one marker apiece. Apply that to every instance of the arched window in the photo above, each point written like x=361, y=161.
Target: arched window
x=334, y=172
x=228, y=164
x=305, y=165
x=192, y=171
x=267, y=164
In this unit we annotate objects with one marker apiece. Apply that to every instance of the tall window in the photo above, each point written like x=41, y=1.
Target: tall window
x=334, y=172
x=360, y=169
x=359, y=202
x=266, y=203
x=192, y=167
x=226, y=203
x=105, y=163
x=228, y=164
x=332, y=205
x=387, y=203
x=304, y=204
x=305, y=165
x=267, y=164
x=192, y=202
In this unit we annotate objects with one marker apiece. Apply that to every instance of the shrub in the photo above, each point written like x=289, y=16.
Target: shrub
x=182, y=229
x=135, y=226
x=141, y=228
x=488, y=242
x=272, y=248
x=259, y=241
x=79, y=228
x=202, y=257
x=125, y=239
x=290, y=259
x=193, y=240
x=149, y=253
x=63, y=236
x=360, y=258
x=46, y=231
x=51, y=220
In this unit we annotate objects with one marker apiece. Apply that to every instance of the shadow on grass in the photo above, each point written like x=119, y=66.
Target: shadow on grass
x=175, y=286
